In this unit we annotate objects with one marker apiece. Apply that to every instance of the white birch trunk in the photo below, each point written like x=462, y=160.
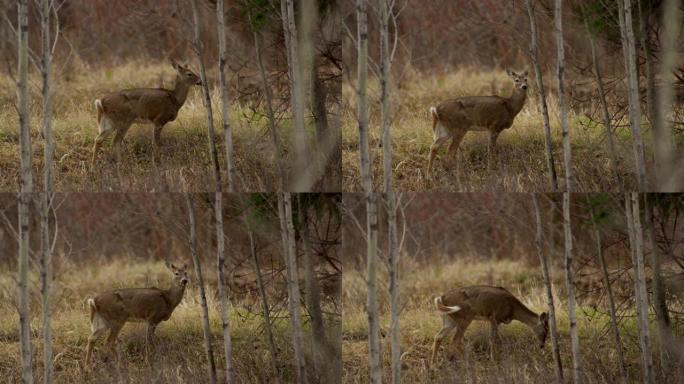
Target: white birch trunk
x=562, y=109
x=292, y=273
x=558, y=365
x=394, y=289
x=362, y=93
x=223, y=300
x=574, y=334
x=385, y=74
x=628, y=46
x=25, y=195
x=208, y=348
x=227, y=132
x=372, y=304
x=534, y=54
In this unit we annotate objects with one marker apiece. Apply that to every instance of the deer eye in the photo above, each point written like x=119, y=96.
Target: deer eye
x=176, y=273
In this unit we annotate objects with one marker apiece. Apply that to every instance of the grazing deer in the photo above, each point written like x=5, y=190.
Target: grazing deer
x=111, y=310
x=117, y=111
x=461, y=306
x=451, y=119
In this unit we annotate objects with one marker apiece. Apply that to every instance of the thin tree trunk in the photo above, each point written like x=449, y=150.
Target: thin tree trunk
x=319, y=352
x=394, y=289
x=659, y=302
x=565, y=128
x=223, y=300
x=385, y=73
x=362, y=93
x=670, y=176
x=574, y=335
x=277, y=148
x=640, y=287
x=25, y=195
x=372, y=305
x=197, y=46
x=209, y=350
x=534, y=54
x=264, y=304
x=607, y=124
x=293, y=300
x=46, y=196
x=611, y=301
x=628, y=46
x=227, y=132
x=558, y=365
x=296, y=87
x=645, y=40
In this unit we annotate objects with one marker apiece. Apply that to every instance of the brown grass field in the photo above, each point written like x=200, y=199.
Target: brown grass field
x=521, y=162
x=180, y=344
x=185, y=160
x=519, y=358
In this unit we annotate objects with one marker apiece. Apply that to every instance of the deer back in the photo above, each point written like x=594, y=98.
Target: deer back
x=144, y=105
x=131, y=304
x=481, y=111
x=483, y=302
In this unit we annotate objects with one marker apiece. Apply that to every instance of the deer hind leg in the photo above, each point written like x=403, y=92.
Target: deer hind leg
x=455, y=143
x=448, y=325
x=98, y=327
x=491, y=149
x=118, y=139
x=105, y=128
x=111, y=339
x=436, y=144
x=494, y=336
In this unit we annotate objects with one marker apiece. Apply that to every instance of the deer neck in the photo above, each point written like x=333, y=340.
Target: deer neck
x=180, y=91
x=175, y=295
x=517, y=100
x=524, y=315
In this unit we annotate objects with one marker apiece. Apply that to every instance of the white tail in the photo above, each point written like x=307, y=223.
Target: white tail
x=452, y=119
x=117, y=111
x=445, y=309
x=111, y=310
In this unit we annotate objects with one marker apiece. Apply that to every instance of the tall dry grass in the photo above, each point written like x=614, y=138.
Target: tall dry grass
x=519, y=359
x=521, y=160
x=184, y=154
x=180, y=356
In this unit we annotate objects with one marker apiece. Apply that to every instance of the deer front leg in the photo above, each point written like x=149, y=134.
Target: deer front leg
x=494, y=336
x=157, y=134
x=491, y=149
x=150, y=339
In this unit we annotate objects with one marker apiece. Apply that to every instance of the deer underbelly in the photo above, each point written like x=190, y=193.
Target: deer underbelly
x=141, y=120
x=479, y=128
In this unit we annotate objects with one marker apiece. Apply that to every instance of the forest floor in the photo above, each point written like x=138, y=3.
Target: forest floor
x=180, y=356
x=519, y=359
x=185, y=162
x=520, y=164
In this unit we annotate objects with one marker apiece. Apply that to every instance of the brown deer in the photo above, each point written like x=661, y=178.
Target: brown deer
x=453, y=118
x=111, y=310
x=117, y=111
x=461, y=306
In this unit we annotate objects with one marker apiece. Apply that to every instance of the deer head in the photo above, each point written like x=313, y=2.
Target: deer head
x=180, y=275
x=542, y=329
x=185, y=74
x=519, y=80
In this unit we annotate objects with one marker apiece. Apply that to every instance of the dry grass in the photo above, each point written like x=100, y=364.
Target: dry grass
x=184, y=152
x=180, y=344
x=519, y=361
x=521, y=161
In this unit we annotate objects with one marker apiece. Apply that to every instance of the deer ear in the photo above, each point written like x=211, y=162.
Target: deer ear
x=185, y=266
x=525, y=73
x=174, y=64
x=173, y=267
x=509, y=72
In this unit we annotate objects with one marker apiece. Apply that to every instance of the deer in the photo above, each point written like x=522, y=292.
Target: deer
x=459, y=307
x=117, y=111
x=112, y=309
x=453, y=118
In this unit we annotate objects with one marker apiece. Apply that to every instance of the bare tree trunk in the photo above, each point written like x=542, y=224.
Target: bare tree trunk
x=670, y=176
x=394, y=289
x=574, y=335
x=534, y=54
x=645, y=40
x=611, y=301
x=362, y=94
x=25, y=195
x=385, y=73
x=558, y=365
x=197, y=46
x=372, y=305
x=296, y=87
x=227, y=132
x=200, y=286
x=565, y=128
x=604, y=108
x=277, y=147
x=293, y=300
x=46, y=196
x=319, y=352
x=628, y=46
x=636, y=245
x=264, y=304
x=659, y=303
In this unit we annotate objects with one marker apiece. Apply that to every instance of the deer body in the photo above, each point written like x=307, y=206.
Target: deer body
x=452, y=119
x=117, y=111
x=111, y=310
x=497, y=305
